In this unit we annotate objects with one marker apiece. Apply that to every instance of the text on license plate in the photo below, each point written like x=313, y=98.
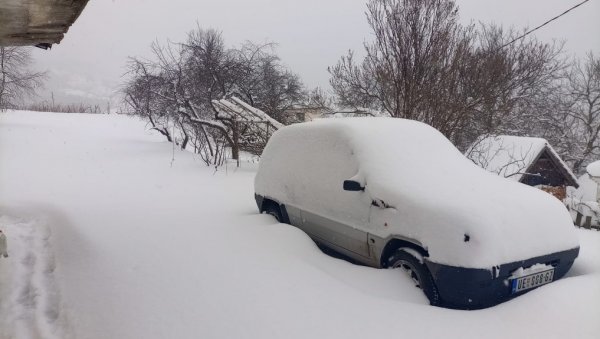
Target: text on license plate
x=531, y=281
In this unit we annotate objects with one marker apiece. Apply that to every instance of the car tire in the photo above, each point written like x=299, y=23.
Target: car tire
x=418, y=272
x=274, y=210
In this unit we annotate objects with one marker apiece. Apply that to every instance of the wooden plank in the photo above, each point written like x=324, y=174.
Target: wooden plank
x=31, y=22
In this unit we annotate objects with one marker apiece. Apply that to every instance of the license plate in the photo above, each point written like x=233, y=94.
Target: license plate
x=532, y=280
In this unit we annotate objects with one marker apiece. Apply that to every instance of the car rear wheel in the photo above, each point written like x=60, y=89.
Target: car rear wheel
x=274, y=210
x=407, y=261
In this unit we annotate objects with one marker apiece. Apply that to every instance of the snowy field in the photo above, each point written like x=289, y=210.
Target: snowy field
x=110, y=238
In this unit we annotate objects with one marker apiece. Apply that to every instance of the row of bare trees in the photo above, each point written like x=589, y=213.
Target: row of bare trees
x=19, y=82
x=176, y=91
x=471, y=80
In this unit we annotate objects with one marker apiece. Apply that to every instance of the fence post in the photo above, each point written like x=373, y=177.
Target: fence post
x=578, y=219
x=588, y=222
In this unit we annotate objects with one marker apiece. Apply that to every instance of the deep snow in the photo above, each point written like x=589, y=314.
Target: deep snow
x=107, y=239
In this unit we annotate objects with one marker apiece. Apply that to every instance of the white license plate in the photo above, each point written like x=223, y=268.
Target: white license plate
x=532, y=280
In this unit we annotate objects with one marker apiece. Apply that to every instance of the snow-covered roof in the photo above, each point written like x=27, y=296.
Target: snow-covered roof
x=512, y=156
x=593, y=169
x=236, y=107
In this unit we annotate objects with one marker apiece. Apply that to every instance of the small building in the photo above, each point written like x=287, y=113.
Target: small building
x=531, y=161
x=300, y=113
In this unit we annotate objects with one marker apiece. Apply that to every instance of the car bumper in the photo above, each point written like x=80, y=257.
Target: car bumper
x=470, y=288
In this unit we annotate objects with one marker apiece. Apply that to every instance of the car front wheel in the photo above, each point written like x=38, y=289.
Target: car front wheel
x=406, y=260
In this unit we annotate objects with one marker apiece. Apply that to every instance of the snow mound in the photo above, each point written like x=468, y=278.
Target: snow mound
x=587, y=190
x=594, y=169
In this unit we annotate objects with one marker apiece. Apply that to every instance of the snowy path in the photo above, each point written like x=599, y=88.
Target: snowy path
x=108, y=240
x=28, y=292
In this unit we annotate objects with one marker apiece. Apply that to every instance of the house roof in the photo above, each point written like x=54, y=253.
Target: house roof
x=37, y=22
x=512, y=156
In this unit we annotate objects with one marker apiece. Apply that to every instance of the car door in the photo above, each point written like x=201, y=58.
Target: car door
x=344, y=234
x=331, y=215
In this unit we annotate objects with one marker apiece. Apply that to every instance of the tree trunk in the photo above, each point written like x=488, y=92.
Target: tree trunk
x=186, y=137
x=235, y=145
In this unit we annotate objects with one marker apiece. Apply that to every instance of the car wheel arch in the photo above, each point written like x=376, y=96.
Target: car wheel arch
x=267, y=202
x=394, y=244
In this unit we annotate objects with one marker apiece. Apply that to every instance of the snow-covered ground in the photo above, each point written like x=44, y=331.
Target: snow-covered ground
x=110, y=238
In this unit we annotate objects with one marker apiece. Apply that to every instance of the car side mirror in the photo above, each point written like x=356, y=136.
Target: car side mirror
x=351, y=185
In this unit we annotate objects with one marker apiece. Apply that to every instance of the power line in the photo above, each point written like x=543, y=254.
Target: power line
x=544, y=24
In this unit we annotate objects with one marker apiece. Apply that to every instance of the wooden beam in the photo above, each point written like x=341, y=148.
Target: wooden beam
x=33, y=22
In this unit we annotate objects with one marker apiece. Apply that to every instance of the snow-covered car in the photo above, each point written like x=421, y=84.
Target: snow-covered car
x=396, y=193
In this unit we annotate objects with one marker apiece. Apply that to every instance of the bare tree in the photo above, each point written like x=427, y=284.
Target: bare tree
x=318, y=98
x=584, y=91
x=179, y=88
x=416, y=43
x=263, y=82
x=492, y=154
x=17, y=81
x=507, y=83
x=424, y=65
x=140, y=98
x=571, y=119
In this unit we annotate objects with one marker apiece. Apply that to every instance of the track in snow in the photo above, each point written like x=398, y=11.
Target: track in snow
x=29, y=298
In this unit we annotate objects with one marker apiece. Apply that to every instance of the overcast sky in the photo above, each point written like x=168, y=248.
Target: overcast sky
x=311, y=34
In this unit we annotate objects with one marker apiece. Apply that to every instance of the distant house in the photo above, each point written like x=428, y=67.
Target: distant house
x=531, y=161
x=302, y=114
x=353, y=113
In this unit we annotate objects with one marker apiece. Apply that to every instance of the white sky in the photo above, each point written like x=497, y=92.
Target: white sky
x=311, y=34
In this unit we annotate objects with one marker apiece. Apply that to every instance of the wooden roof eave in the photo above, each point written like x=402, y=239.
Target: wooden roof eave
x=37, y=22
x=558, y=164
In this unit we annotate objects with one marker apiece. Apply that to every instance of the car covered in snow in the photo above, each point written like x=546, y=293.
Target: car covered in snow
x=395, y=193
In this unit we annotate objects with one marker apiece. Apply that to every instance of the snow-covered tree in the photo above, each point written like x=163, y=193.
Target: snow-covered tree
x=180, y=85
